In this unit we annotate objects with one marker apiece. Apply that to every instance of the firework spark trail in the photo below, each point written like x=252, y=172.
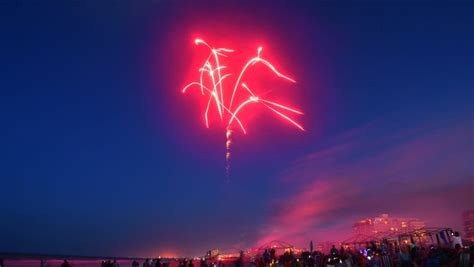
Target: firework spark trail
x=215, y=91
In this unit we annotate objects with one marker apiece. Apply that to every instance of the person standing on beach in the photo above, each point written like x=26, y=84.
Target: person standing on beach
x=266, y=257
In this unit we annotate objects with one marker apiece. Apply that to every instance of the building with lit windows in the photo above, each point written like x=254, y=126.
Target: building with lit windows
x=384, y=223
x=468, y=220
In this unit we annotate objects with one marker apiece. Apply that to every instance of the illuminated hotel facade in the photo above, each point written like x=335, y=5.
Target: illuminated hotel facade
x=468, y=221
x=384, y=223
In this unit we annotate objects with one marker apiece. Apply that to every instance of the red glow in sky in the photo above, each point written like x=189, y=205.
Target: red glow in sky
x=212, y=84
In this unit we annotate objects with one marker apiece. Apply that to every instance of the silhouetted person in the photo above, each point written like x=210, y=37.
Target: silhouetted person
x=413, y=252
x=334, y=251
x=147, y=263
x=65, y=264
x=373, y=246
x=404, y=257
x=1, y=263
x=115, y=264
x=272, y=254
x=266, y=257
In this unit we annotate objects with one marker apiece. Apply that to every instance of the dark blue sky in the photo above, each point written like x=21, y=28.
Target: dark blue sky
x=101, y=154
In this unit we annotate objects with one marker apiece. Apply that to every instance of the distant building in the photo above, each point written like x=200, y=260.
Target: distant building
x=213, y=253
x=384, y=223
x=468, y=220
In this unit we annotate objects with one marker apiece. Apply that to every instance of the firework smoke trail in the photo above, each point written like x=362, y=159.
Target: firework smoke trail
x=228, y=144
x=213, y=68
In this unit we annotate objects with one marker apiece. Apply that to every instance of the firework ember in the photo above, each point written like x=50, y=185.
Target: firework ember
x=211, y=85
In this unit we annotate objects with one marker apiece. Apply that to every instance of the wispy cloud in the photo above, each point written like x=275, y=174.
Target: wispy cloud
x=423, y=172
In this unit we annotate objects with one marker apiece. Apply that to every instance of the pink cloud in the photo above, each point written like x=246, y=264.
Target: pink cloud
x=422, y=172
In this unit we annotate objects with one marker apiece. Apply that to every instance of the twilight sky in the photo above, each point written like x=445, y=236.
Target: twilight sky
x=102, y=155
